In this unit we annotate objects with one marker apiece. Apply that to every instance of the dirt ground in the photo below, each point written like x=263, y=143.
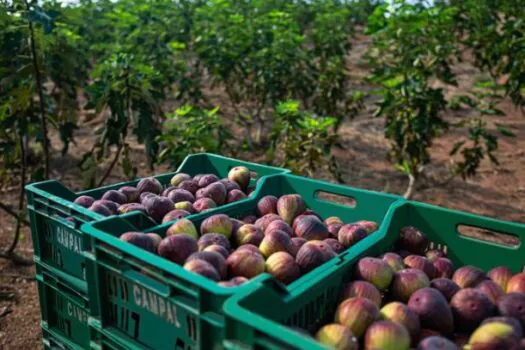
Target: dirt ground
x=496, y=191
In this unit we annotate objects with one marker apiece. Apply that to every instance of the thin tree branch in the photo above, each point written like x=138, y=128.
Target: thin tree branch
x=10, y=211
x=17, y=259
x=112, y=165
x=411, y=186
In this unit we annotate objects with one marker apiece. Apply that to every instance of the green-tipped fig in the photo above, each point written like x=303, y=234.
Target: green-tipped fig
x=369, y=226
x=112, y=206
x=129, y=207
x=350, y=234
x=297, y=243
x=230, y=185
x=413, y=240
x=100, y=209
x=357, y=314
x=420, y=263
x=517, y=283
x=203, y=268
x=470, y=307
x=436, y=342
x=241, y=175
x=447, y=287
x=245, y=263
x=407, y=282
x=203, y=204
x=511, y=321
x=189, y=185
x=157, y=207
x=147, y=242
x=279, y=225
x=180, y=195
x=177, y=248
x=394, y=261
x=311, y=255
x=248, y=234
x=213, y=238
x=187, y=206
x=215, y=259
x=178, y=178
x=311, y=228
x=443, y=267
x=85, y=201
x=115, y=196
x=375, y=271
x=336, y=246
x=433, y=254
x=362, y=289
x=217, y=249
x=205, y=180
x=491, y=290
x=468, y=276
x=333, y=230
x=249, y=247
x=494, y=335
x=513, y=305
x=501, y=275
x=282, y=266
x=149, y=184
x=400, y=313
x=183, y=226
x=386, y=335
x=175, y=214
x=275, y=241
x=267, y=205
x=333, y=220
x=264, y=221
x=290, y=206
x=337, y=337
x=235, y=196
x=219, y=223
x=433, y=310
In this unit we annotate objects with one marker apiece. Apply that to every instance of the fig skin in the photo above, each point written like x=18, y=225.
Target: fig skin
x=413, y=240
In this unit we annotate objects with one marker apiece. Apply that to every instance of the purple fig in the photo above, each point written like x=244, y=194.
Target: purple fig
x=351, y=234
x=178, y=178
x=420, y=263
x=187, y=206
x=357, y=314
x=245, y=263
x=275, y=241
x=375, y=271
x=248, y=234
x=311, y=255
x=189, y=185
x=203, y=204
x=167, y=191
x=218, y=223
x=394, y=261
x=217, y=249
x=326, y=248
x=180, y=195
x=157, y=207
x=517, y=283
x=470, y=307
x=267, y=205
x=144, y=195
x=115, y=196
x=215, y=259
x=333, y=230
x=447, y=287
x=131, y=193
x=289, y=206
x=84, y=201
x=249, y=247
x=100, y=209
x=413, y=240
x=230, y=185
x=436, y=342
x=241, y=175
x=387, y=335
x=433, y=254
x=173, y=215
x=433, y=310
x=299, y=218
x=216, y=191
x=311, y=228
x=513, y=305
x=369, y=226
x=400, y=313
x=333, y=220
x=183, y=226
x=203, y=268
x=491, y=290
x=501, y=275
x=212, y=238
x=177, y=248
x=149, y=184
x=235, y=196
x=236, y=224
x=297, y=243
x=494, y=335
x=283, y=267
x=336, y=336
x=335, y=245
x=468, y=276
x=443, y=267
x=234, y=282
x=264, y=221
x=147, y=242
x=279, y=225
x=206, y=180
x=129, y=207
x=362, y=289
x=112, y=206
x=250, y=219
x=407, y=282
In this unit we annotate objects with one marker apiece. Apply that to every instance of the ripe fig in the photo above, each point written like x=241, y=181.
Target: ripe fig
x=333, y=220
x=249, y=219
x=350, y=234
x=362, y=289
x=234, y=282
x=501, y=275
x=264, y=221
x=297, y=243
x=249, y=247
x=369, y=226
x=289, y=206
x=494, y=335
x=375, y=271
x=407, y=282
x=129, y=207
x=189, y=185
x=275, y=241
x=433, y=310
x=183, y=226
x=241, y=175
x=387, y=335
x=333, y=230
x=144, y=195
x=282, y=266
x=335, y=245
x=175, y=214
x=470, y=307
x=215, y=259
x=279, y=225
x=443, y=267
x=436, y=342
x=337, y=336
x=468, y=276
x=217, y=249
x=112, y=206
x=212, y=238
x=203, y=204
x=491, y=290
x=157, y=207
x=245, y=263
x=236, y=224
x=267, y=205
x=177, y=248
x=413, y=240
x=235, y=196
x=248, y=234
x=100, y=209
x=447, y=287
x=311, y=228
x=218, y=223
x=433, y=254
x=216, y=191
x=206, y=180
x=357, y=314
x=310, y=256
x=513, y=305
x=149, y=184
x=230, y=185
x=517, y=283
x=148, y=242
x=394, y=261
x=178, y=178
x=511, y=321
x=420, y=263
x=400, y=313
x=203, y=268
x=180, y=195
x=187, y=206
x=84, y=201
x=115, y=196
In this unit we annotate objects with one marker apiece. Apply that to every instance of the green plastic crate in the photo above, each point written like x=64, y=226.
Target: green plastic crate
x=253, y=324
x=54, y=341
x=140, y=295
x=59, y=243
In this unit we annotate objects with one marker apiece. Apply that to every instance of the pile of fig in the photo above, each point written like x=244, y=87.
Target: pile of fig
x=282, y=237
x=184, y=196
x=414, y=298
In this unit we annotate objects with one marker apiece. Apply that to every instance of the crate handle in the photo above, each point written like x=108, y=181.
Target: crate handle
x=336, y=198
x=488, y=235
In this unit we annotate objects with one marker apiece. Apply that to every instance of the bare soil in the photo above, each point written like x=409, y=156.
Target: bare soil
x=496, y=191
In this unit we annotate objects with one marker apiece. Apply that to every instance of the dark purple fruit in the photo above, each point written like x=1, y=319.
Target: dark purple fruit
x=177, y=248
x=297, y=243
x=129, y=207
x=491, y=290
x=217, y=249
x=420, y=263
x=234, y=282
x=468, y=276
x=350, y=234
x=157, y=207
x=275, y=241
x=289, y=206
x=100, y=209
x=144, y=195
x=470, y=307
x=375, y=271
x=230, y=185
x=436, y=342
x=310, y=256
x=433, y=310
x=236, y=224
x=443, y=267
x=216, y=191
x=180, y=195
x=407, y=282
x=362, y=289
x=267, y=205
x=283, y=267
x=85, y=201
x=248, y=234
x=333, y=230
x=206, y=180
x=513, y=305
x=249, y=247
x=148, y=242
x=264, y=221
x=413, y=240
x=279, y=225
x=245, y=263
x=112, y=206
x=218, y=223
x=357, y=314
x=335, y=245
x=149, y=184
x=131, y=193
x=235, y=196
x=203, y=204
x=189, y=185
x=203, y=268
x=250, y=219
x=447, y=287
x=115, y=196
x=311, y=228
x=175, y=214
x=214, y=258
x=211, y=239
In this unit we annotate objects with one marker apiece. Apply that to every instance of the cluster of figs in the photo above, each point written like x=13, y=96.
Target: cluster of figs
x=413, y=298
x=281, y=236
x=184, y=196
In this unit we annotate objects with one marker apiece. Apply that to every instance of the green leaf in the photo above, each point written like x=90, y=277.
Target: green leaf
x=504, y=131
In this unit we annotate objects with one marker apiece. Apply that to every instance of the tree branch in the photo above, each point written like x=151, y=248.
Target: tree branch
x=411, y=186
x=112, y=165
x=10, y=211
x=17, y=259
